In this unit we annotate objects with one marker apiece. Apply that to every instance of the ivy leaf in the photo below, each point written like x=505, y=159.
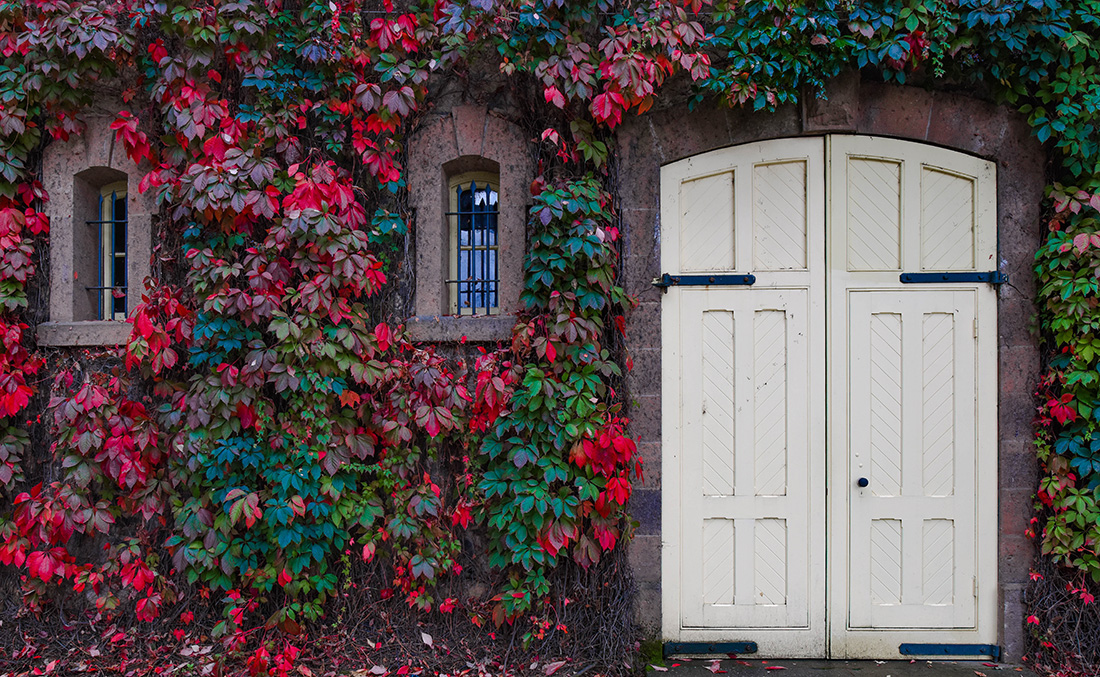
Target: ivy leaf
x=400, y=101
x=553, y=96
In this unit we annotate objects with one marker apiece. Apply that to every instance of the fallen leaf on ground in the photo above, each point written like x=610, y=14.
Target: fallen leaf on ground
x=775, y=667
x=551, y=668
x=659, y=668
x=427, y=638
x=979, y=674
x=716, y=667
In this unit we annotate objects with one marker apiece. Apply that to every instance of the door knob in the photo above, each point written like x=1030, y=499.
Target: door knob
x=862, y=482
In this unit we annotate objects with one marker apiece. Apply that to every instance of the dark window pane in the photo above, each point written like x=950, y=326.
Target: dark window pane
x=119, y=238
x=119, y=273
x=475, y=279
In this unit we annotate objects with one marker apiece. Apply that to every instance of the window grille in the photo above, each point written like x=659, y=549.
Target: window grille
x=474, y=281
x=110, y=227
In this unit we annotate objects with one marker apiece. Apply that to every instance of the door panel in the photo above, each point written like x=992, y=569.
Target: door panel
x=746, y=538
x=912, y=397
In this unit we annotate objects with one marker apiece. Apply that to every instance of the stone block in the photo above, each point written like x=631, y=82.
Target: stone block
x=645, y=317
x=1016, y=556
x=647, y=611
x=1013, y=613
x=966, y=123
x=645, y=417
x=470, y=124
x=893, y=110
x=451, y=328
x=681, y=133
x=644, y=554
x=1017, y=465
x=637, y=281
x=1019, y=365
x=636, y=143
x=89, y=333
x=1015, y=510
x=645, y=506
x=639, y=184
x=834, y=110
x=1016, y=415
x=645, y=377
x=650, y=454
x=746, y=125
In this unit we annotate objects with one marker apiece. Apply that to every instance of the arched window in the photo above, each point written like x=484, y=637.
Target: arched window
x=473, y=279
x=469, y=173
x=100, y=238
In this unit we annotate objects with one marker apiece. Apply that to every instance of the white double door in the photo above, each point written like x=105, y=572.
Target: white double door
x=782, y=398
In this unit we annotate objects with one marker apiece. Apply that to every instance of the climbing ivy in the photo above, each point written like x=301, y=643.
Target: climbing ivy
x=267, y=420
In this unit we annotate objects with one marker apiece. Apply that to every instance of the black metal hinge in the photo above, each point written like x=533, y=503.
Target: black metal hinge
x=993, y=277
x=673, y=648
x=665, y=281
x=991, y=650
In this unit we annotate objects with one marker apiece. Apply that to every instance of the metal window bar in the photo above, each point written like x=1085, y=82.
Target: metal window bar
x=115, y=277
x=475, y=269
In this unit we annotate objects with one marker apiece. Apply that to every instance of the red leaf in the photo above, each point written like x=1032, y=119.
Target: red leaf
x=608, y=108
x=383, y=335
x=553, y=95
x=245, y=413
x=42, y=564
x=431, y=426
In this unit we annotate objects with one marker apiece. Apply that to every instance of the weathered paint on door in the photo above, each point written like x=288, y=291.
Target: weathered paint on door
x=911, y=402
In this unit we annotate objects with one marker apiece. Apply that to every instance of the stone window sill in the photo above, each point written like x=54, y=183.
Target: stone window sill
x=454, y=328
x=90, y=333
